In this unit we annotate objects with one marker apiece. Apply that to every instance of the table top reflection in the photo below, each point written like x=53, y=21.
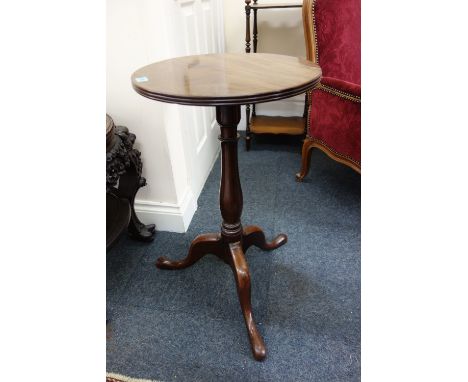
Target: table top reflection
x=226, y=79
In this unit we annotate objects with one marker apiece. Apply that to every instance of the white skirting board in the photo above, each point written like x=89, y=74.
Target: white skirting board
x=167, y=216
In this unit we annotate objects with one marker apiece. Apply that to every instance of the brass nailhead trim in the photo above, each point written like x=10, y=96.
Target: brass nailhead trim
x=315, y=33
x=334, y=151
x=339, y=93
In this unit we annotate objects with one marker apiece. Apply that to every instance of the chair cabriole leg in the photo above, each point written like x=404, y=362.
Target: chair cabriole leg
x=305, y=161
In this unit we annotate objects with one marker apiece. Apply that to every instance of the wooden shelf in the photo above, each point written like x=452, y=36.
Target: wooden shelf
x=275, y=5
x=262, y=124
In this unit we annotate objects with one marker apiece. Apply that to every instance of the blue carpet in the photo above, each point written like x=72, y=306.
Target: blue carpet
x=187, y=325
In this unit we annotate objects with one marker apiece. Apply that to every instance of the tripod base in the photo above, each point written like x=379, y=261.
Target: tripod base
x=232, y=253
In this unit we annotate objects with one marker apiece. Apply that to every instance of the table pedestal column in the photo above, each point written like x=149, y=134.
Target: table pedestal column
x=234, y=240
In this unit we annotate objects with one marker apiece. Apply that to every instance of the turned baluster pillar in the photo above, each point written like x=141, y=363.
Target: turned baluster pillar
x=230, y=195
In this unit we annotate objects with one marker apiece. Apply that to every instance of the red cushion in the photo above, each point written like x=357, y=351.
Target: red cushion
x=338, y=27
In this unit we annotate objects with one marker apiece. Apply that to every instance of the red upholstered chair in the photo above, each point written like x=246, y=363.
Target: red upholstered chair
x=332, y=30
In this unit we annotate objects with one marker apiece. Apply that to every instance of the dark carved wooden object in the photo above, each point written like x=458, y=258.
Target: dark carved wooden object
x=118, y=213
x=123, y=175
x=233, y=241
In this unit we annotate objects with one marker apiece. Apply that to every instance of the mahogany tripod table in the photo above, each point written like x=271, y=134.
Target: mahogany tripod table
x=228, y=81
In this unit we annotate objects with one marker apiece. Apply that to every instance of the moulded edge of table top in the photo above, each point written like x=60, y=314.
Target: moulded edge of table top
x=288, y=76
x=224, y=101
x=263, y=124
x=275, y=5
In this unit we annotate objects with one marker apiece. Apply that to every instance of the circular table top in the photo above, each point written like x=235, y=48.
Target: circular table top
x=226, y=79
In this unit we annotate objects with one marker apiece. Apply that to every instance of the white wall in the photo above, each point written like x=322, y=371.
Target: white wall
x=279, y=31
x=178, y=144
x=127, y=50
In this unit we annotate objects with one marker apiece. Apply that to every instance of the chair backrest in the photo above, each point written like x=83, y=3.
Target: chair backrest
x=332, y=30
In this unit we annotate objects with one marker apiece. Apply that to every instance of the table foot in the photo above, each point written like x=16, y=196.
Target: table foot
x=242, y=276
x=254, y=235
x=201, y=246
x=232, y=253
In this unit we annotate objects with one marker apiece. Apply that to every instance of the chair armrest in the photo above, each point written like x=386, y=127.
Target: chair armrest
x=334, y=117
x=340, y=88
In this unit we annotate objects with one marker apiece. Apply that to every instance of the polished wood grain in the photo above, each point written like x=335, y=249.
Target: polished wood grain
x=226, y=79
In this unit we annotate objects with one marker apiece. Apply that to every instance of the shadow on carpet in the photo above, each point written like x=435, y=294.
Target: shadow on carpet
x=187, y=325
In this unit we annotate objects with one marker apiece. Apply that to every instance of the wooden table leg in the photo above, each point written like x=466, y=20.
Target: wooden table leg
x=254, y=235
x=231, y=244
x=201, y=246
x=242, y=277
